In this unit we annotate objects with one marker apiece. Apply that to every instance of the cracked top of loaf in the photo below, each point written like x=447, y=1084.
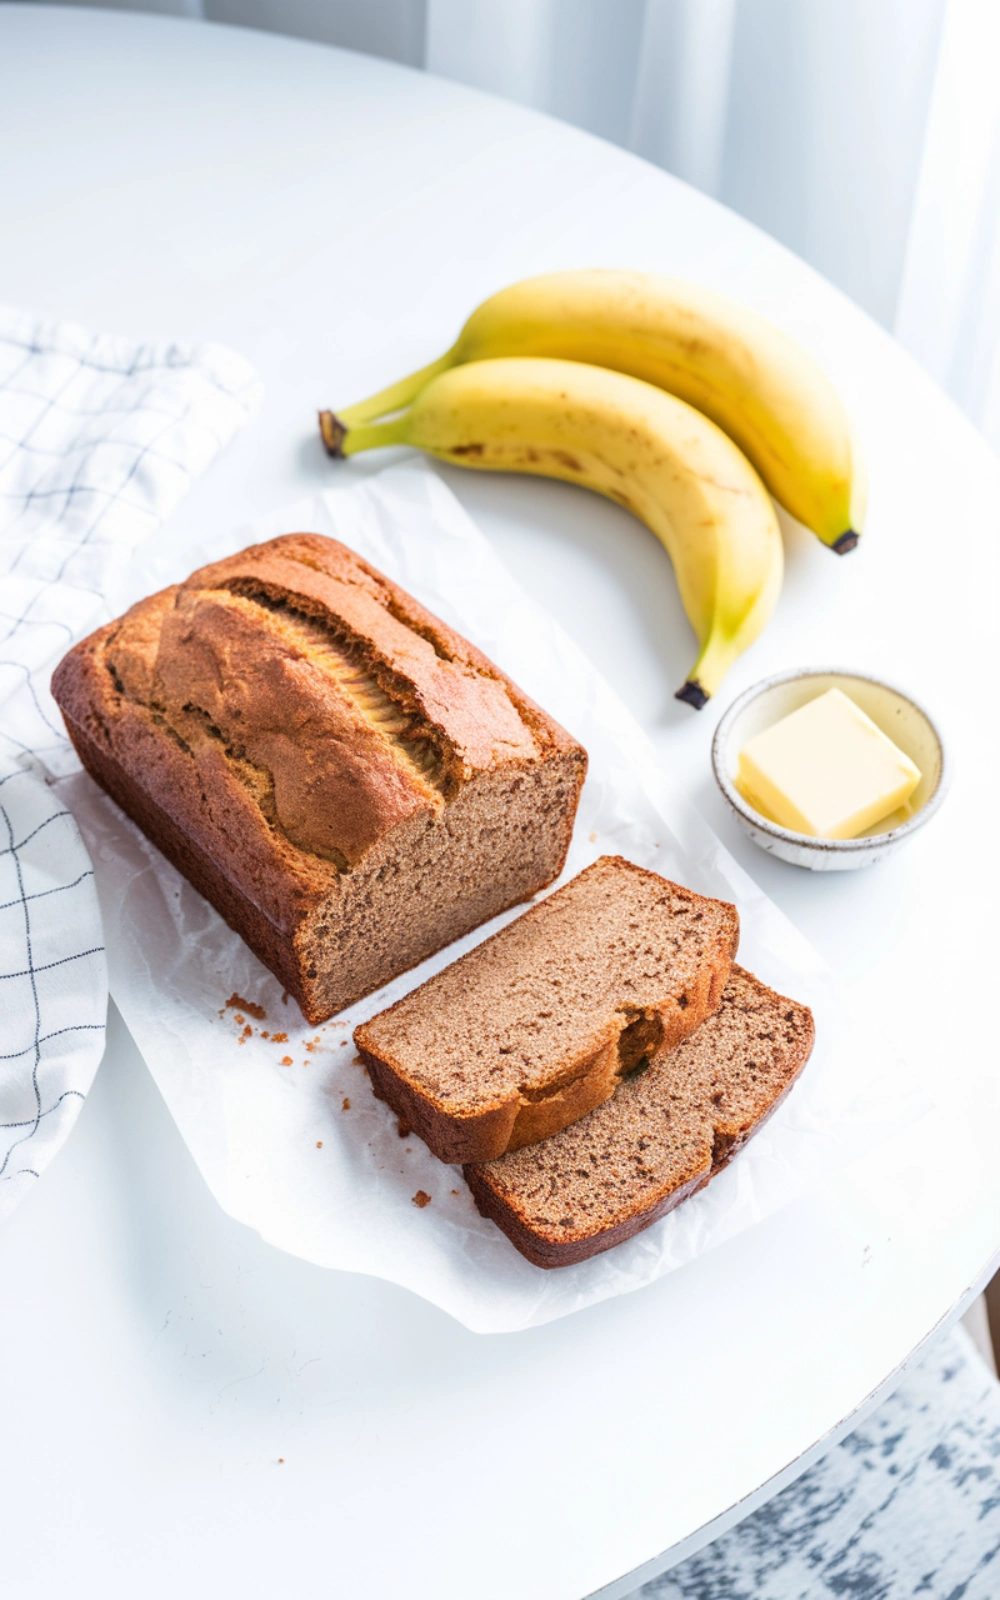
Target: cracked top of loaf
x=318, y=700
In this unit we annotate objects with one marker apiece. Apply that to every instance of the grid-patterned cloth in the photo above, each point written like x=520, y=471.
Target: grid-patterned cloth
x=99, y=438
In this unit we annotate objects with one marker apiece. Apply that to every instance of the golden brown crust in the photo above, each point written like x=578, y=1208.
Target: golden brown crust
x=543, y=1252
x=476, y=709
x=205, y=802
x=448, y=1133
x=287, y=725
x=267, y=940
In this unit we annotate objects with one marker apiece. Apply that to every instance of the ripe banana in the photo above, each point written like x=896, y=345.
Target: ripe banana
x=757, y=384
x=662, y=459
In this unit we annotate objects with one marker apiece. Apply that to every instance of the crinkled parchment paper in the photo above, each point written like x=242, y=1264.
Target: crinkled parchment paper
x=279, y=1116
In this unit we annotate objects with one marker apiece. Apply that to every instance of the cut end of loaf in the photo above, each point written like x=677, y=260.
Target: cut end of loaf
x=502, y=838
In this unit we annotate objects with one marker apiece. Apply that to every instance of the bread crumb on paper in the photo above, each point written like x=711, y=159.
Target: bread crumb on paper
x=346, y=1105
x=280, y=1038
x=403, y=1129
x=249, y=1006
x=421, y=1198
x=319, y=1144
x=286, y=1061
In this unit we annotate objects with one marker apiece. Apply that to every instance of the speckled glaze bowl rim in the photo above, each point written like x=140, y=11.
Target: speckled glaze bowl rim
x=808, y=841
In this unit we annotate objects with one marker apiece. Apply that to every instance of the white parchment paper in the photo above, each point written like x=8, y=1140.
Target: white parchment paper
x=279, y=1116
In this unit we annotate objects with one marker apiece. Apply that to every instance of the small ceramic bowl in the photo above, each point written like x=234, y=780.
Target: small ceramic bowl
x=906, y=724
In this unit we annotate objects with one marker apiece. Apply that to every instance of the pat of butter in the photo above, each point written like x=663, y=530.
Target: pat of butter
x=825, y=770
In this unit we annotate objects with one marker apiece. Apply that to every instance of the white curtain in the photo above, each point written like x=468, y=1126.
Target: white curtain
x=864, y=134
x=807, y=116
x=948, y=309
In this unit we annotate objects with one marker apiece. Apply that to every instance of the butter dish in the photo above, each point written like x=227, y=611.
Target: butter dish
x=898, y=716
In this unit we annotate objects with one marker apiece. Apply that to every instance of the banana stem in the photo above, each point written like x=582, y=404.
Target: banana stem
x=398, y=394
x=715, y=658
x=341, y=440
x=692, y=694
x=845, y=543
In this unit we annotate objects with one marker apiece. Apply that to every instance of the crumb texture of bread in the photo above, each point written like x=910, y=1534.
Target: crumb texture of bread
x=533, y=1028
x=663, y=1135
x=351, y=783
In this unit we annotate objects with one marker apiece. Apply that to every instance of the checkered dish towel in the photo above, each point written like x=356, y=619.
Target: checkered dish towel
x=99, y=438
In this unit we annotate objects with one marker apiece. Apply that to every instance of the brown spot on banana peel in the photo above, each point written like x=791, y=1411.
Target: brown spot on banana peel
x=562, y=458
x=333, y=433
x=624, y=500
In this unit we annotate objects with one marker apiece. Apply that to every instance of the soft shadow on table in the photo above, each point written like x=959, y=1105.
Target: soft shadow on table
x=212, y=1302
x=322, y=471
x=833, y=909
x=625, y=579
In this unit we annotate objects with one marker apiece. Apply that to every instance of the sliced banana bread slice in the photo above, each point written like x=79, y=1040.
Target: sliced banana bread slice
x=533, y=1028
x=667, y=1130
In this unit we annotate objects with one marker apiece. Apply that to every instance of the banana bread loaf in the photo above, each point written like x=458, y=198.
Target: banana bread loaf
x=531, y=1030
x=347, y=780
x=668, y=1129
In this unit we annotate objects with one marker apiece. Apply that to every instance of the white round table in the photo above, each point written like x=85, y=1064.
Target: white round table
x=186, y=1409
